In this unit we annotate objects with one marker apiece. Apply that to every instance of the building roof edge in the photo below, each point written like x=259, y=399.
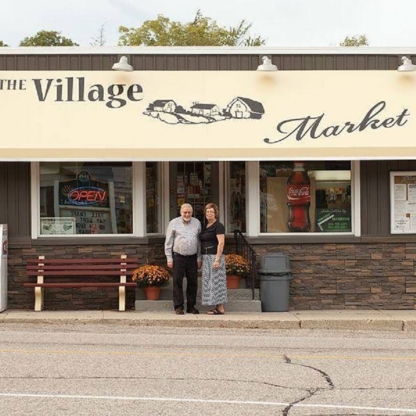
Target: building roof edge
x=197, y=50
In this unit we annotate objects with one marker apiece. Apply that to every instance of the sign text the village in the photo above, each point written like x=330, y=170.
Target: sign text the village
x=312, y=126
x=71, y=89
x=74, y=89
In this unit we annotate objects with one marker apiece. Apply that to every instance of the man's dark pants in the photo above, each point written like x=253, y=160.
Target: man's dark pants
x=184, y=266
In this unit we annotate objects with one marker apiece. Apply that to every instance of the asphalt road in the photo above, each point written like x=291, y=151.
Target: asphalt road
x=91, y=369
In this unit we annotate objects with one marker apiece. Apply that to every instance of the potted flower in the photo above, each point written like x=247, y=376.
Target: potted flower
x=236, y=266
x=151, y=278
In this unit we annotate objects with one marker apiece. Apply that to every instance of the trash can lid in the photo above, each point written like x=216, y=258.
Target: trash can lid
x=274, y=277
x=274, y=271
x=277, y=262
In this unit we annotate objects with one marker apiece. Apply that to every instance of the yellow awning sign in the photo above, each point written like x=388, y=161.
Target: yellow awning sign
x=207, y=115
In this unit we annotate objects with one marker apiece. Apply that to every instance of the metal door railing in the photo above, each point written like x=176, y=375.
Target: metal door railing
x=243, y=248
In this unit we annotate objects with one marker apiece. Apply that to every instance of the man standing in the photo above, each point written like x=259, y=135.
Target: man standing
x=183, y=253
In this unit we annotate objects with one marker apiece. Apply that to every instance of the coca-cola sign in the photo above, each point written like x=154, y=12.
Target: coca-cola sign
x=300, y=127
x=298, y=193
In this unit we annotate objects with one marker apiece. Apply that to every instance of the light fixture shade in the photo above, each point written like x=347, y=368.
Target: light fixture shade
x=267, y=65
x=407, y=65
x=123, y=65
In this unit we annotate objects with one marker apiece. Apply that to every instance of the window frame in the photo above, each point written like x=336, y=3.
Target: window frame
x=138, y=209
x=253, y=205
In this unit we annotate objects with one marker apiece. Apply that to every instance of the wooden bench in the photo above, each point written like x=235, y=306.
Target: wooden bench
x=83, y=269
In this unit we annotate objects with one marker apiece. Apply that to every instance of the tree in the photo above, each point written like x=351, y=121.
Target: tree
x=360, y=40
x=202, y=31
x=100, y=39
x=2, y=43
x=47, y=38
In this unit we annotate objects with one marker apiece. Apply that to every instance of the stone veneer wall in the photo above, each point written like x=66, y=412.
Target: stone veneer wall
x=350, y=276
x=325, y=276
x=70, y=299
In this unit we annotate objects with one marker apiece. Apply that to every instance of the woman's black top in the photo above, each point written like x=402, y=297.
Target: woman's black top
x=208, y=237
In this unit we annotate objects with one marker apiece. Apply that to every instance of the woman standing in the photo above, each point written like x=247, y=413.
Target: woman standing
x=214, y=285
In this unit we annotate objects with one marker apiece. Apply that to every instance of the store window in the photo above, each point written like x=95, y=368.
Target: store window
x=85, y=198
x=308, y=197
x=236, y=208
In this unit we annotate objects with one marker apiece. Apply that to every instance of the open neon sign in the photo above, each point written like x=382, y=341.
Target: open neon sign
x=87, y=195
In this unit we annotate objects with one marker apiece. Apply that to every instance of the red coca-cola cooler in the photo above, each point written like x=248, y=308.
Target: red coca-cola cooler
x=274, y=275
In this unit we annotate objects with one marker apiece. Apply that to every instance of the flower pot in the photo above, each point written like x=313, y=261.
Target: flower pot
x=152, y=292
x=233, y=281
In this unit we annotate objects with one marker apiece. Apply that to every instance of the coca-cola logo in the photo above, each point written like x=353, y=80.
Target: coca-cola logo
x=298, y=193
x=295, y=191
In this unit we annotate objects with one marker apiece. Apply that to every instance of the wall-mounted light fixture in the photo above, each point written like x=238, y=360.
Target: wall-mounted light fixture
x=267, y=65
x=123, y=65
x=407, y=65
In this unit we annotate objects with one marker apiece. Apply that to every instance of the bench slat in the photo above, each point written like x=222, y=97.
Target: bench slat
x=76, y=284
x=104, y=269
x=82, y=261
x=80, y=273
x=81, y=267
x=71, y=272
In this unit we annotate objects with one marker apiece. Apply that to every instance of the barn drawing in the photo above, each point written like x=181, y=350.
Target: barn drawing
x=241, y=107
x=168, y=111
x=205, y=109
x=166, y=106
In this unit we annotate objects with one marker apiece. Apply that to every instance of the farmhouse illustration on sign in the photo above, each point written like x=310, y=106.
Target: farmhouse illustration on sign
x=168, y=111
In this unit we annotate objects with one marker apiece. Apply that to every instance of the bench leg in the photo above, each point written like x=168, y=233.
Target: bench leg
x=38, y=299
x=122, y=298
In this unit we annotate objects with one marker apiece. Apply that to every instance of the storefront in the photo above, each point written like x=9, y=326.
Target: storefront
x=316, y=160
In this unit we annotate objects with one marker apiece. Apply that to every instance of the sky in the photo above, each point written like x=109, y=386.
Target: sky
x=282, y=23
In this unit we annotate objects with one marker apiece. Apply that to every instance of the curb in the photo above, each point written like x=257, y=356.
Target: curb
x=357, y=320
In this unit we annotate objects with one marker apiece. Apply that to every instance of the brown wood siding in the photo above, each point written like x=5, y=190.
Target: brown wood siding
x=375, y=194
x=15, y=200
x=235, y=62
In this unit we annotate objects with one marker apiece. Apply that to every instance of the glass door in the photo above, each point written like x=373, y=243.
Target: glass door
x=195, y=183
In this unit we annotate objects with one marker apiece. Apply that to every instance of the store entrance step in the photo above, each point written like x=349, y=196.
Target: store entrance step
x=233, y=294
x=239, y=300
x=167, y=305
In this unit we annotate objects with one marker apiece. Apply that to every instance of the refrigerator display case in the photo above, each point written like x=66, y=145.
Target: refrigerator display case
x=191, y=182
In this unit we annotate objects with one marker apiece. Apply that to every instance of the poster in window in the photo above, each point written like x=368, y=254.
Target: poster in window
x=333, y=220
x=403, y=202
x=57, y=226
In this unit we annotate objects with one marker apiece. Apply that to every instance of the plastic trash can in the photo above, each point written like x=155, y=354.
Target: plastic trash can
x=274, y=277
x=274, y=292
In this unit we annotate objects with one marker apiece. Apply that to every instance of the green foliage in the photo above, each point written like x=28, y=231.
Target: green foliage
x=202, y=31
x=2, y=43
x=360, y=40
x=47, y=38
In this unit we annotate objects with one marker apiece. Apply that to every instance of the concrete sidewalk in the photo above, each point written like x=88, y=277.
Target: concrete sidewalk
x=388, y=320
